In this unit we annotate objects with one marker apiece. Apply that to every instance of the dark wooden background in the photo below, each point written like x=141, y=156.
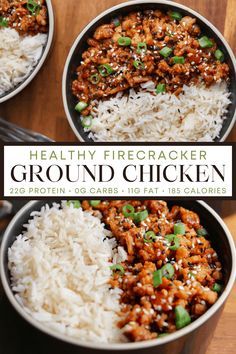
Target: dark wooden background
x=39, y=107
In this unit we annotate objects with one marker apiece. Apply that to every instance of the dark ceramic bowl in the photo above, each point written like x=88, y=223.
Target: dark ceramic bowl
x=192, y=339
x=80, y=45
x=18, y=88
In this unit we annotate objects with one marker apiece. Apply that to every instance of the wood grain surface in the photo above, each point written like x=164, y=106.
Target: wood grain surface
x=39, y=107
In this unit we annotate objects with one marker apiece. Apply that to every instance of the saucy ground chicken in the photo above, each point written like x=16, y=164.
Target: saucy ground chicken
x=25, y=16
x=167, y=48
x=172, y=274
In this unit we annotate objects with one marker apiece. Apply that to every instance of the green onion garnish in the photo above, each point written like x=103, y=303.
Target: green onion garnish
x=124, y=41
x=117, y=267
x=142, y=47
x=81, y=106
x=138, y=65
x=219, y=55
x=205, y=42
x=178, y=60
x=94, y=203
x=202, y=232
x=179, y=228
x=105, y=70
x=166, y=52
x=140, y=216
x=87, y=122
x=149, y=237
x=116, y=22
x=217, y=288
x=163, y=335
x=175, y=15
x=160, y=88
x=33, y=7
x=168, y=271
x=3, y=22
x=174, y=242
x=94, y=79
x=128, y=211
x=76, y=203
x=157, y=278
x=182, y=317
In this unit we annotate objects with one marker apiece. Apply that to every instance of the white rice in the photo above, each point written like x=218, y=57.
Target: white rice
x=60, y=268
x=18, y=56
x=195, y=115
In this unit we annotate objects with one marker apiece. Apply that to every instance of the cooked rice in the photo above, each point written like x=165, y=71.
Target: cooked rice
x=60, y=273
x=18, y=56
x=195, y=115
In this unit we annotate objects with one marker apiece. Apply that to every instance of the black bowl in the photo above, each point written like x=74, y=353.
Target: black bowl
x=192, y=339
x=80, y=45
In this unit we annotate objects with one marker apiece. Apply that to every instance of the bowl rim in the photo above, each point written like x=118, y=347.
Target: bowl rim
x=119, y=346
x=41, y=61
x=117, y=7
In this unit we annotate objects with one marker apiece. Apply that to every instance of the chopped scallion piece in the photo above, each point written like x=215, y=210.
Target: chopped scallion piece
x=163, y=335
x=157, y=278
x=217, y=288
x=94, y=203
x=150, y=237
x=178, y=60
x=219, y=55
x=33, y=7
x=175, y=15
x=94, y=79
x=202, y=232
x=117, y=267
x=205, y=42
x=76, y=203
x=160, y=88
x=81, y=106
x=140, y=216
x=105, y=70
x=124, y=41
x=128, y=211
x=168, y=271
x=87, y=122
x=174, y=242
x=3, y=22
x=116, y=22
x=142, y=47
x=166, y=52
x=138, y=65
x=179, y=228
x=182, y=317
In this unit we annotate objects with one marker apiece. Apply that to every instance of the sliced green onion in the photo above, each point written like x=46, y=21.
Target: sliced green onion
x=178, y=60
x=138, y=65
x=150, y=237
x=116, y=22
x=160, y=88
x=140, y=216
x=81, y=106
x=217, y=288
x=128, y=210
x=105, y=70
x=191, y=274
x=3, y=22
x=33, y=7
x=175, y=15
x=157, y=278
x=76, y=203
x=142, y=47
x=94, y=203
x=163, y=335
x=166, y=52
x=219, y=55
x=87, y=122
x=202, y=232
x=179, y=228
x=124, y=41
x=117, y=267
x=174, y=242
x=205, y=42
x=168, y=271
x=182, y=317
x=94, y=79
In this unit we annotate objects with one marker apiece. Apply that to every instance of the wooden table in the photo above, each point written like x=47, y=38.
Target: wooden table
x=39, y=107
